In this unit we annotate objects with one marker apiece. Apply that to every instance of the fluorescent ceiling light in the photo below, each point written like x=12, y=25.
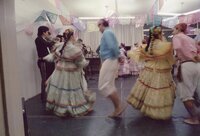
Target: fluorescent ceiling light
x=191, y=12
x=177, y=14
x=168, y=14
x=96, y=18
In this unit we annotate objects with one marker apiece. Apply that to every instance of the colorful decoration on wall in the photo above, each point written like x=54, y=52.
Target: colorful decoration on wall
x=29, y=30
x=161, y=3
x=153, y=12
x=42, y=17
x=79, y=24
x=170, y=22
x=64, y=20
x=54, y=22
x=157, y=20
x=188, y=19
x=52, y=17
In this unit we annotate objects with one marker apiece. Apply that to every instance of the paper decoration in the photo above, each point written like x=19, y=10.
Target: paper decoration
x=157, y=20
x=170, y=22
x=58, y=4
x=42, y=17
x=52, y=17
x=190, y=19
x=153, y=11
x=161, y=3
x=64, y=20
x=29, y=30
x=62, y=10
x=112, y=19
x=79, y=24
x=47, y=16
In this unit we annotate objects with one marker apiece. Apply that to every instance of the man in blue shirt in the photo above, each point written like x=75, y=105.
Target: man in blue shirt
x=109, y=54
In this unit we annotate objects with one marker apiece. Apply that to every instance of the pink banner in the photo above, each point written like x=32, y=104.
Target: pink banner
x=190, y=19
x=161, y=3
x=29, y=30
x=58, y=4
x=64, y=21
x=79, y=24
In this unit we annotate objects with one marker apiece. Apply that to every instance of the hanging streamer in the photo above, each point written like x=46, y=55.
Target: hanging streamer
x=52, y=17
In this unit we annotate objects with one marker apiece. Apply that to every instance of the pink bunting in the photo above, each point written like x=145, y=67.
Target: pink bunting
x=64, y=21
x=79, y=24
x=58, y=4
x=29, y=30
x=190, y=19
x=161, y=3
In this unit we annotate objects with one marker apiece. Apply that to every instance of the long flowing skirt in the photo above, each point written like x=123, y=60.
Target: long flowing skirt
x=66, y=95
x=124, y=68
x=153, y=93
x=134, y=67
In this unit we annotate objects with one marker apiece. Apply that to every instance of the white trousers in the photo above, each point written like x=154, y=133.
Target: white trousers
x=191, y=81
x=107, y=77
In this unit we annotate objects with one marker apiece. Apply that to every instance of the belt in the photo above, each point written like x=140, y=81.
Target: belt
x=179, y=74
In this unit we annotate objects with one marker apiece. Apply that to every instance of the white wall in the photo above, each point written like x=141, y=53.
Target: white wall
x=29, y=73
x=127, y=34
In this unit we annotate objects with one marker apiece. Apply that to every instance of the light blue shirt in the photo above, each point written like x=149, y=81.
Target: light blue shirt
x=109, y=48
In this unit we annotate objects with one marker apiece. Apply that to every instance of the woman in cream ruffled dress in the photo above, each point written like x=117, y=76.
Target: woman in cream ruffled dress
x=66, y=88
x=154, y=91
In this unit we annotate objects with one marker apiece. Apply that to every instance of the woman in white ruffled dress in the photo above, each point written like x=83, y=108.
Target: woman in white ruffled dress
x=124, y=64
x=134, y=66
x=66, y=88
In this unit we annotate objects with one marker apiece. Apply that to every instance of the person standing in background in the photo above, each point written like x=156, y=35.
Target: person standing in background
x=44, y=47
x=134, y=66
x=124, y=69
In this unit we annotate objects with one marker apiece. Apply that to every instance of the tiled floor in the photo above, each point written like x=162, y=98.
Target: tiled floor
x=132, y=122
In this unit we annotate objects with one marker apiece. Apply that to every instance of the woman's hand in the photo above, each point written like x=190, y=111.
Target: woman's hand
x=120, y=59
